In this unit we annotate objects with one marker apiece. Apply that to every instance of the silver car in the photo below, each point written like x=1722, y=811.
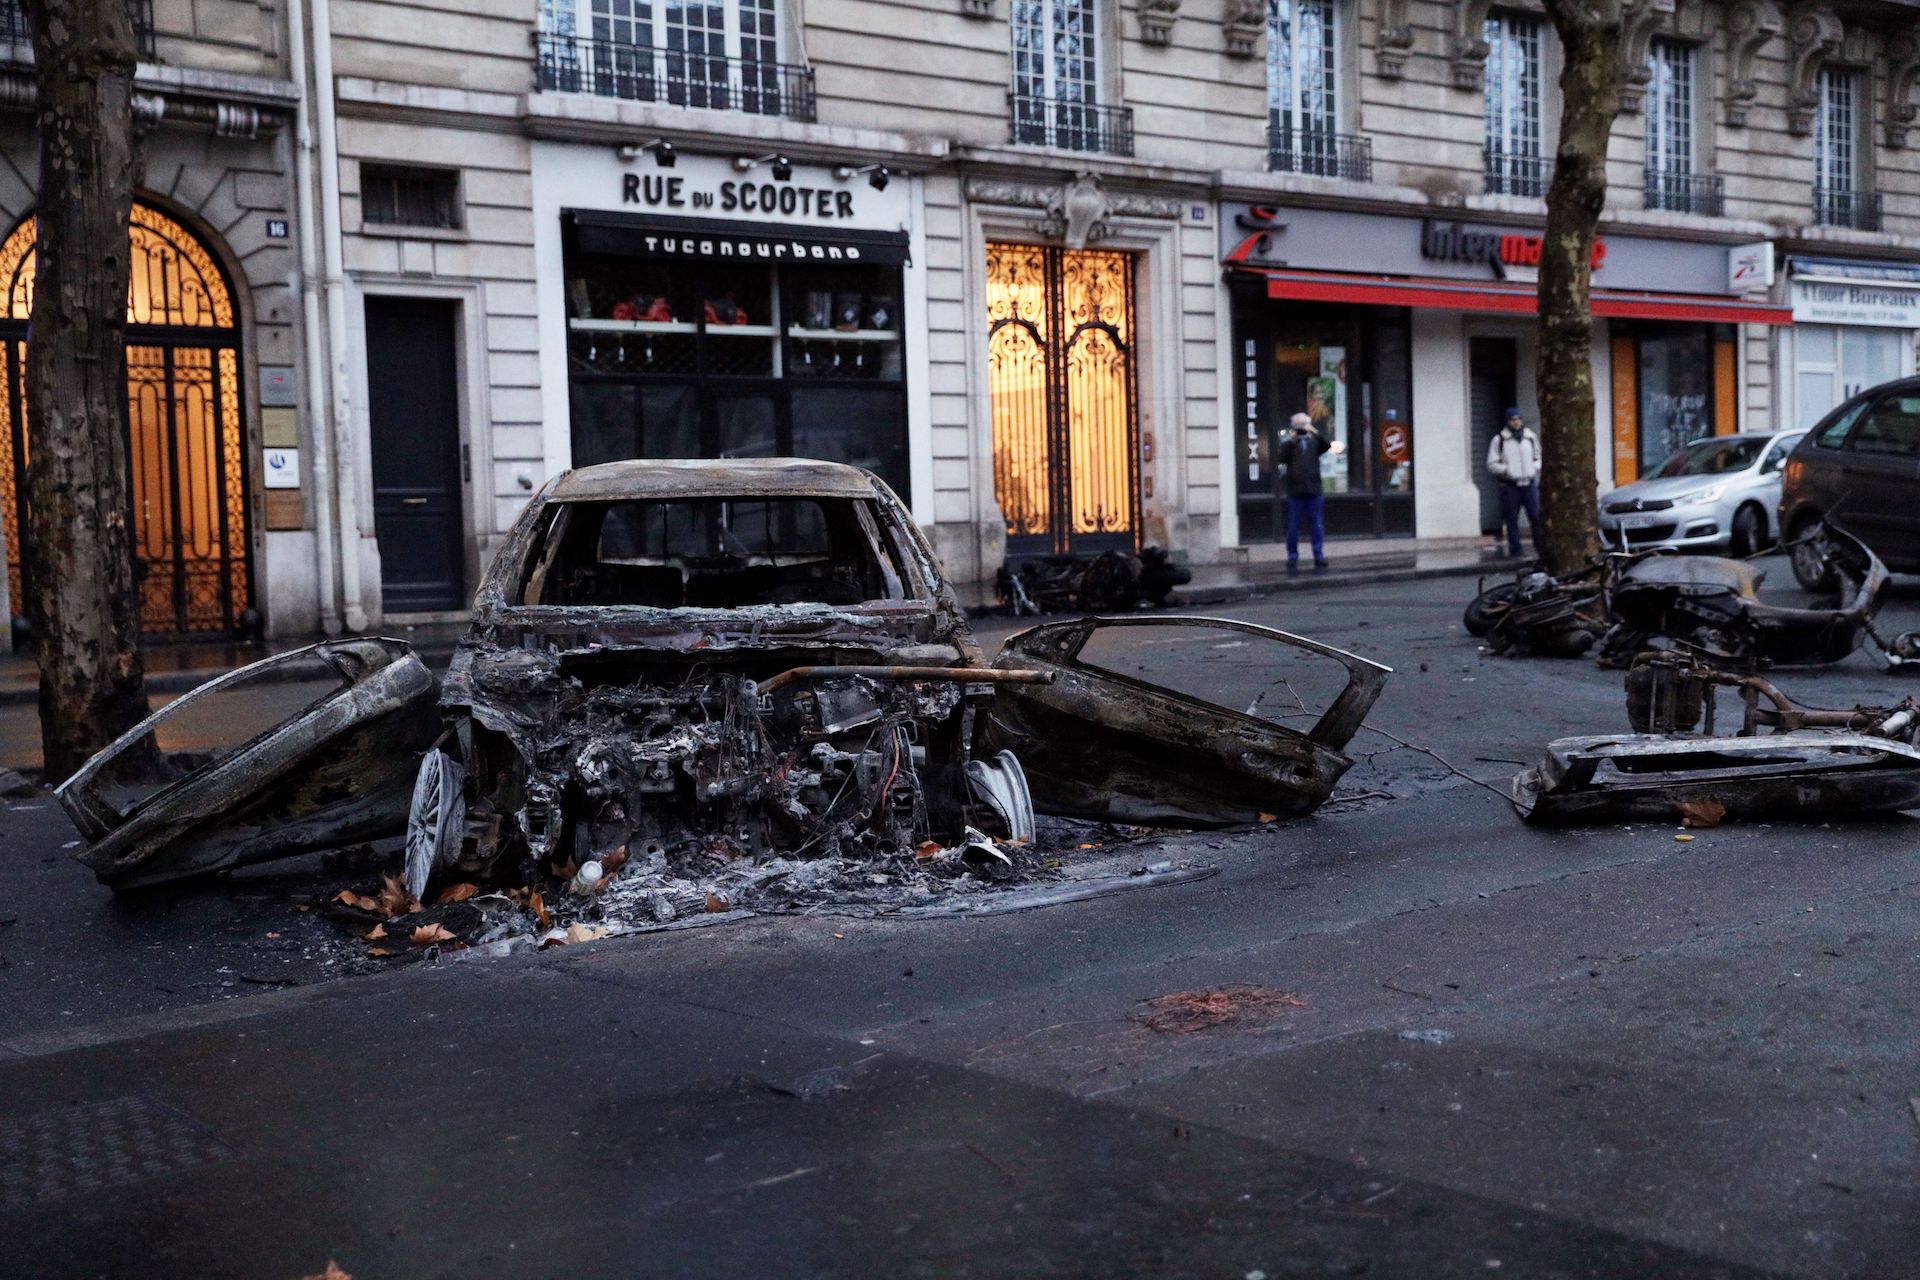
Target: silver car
x=1717, y=494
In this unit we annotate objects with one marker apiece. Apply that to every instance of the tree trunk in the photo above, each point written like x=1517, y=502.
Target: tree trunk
x=1590, y=35
x=82, y=604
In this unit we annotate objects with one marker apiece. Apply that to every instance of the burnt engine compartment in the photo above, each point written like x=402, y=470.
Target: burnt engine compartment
x=580, y=756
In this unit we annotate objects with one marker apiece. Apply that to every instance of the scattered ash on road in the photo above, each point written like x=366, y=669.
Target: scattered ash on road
x=625, y=895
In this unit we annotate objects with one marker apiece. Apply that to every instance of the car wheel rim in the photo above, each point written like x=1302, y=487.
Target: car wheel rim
x=434, y=820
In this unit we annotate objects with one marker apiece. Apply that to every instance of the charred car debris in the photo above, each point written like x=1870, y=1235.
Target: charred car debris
x=750, y=669
x=1784, y=760
x=1629, y=604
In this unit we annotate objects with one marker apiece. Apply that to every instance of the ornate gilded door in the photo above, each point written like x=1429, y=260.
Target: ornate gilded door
x=185, y=433
x=1061, y=378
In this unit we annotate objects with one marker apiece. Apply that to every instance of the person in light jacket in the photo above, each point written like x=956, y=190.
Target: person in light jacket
x=1513, y=459
x=1299, y=459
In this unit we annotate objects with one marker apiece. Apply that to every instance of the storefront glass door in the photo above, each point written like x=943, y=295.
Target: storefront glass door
x=1835, y=362
x=1348, y=369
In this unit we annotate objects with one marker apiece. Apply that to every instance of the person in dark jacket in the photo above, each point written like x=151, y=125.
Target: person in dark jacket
x=1299, y=458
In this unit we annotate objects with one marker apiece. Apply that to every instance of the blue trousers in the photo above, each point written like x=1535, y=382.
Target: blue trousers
x=1515, y=498
x=1311, y=509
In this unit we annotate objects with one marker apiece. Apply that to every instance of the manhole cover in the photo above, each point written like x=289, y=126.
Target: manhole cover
x=68, y=1150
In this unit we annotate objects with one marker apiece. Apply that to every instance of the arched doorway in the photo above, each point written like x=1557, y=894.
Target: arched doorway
x=186, y=431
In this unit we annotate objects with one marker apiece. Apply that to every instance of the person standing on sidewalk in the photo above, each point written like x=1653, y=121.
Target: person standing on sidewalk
x=1513, y=459
x=1299, y=457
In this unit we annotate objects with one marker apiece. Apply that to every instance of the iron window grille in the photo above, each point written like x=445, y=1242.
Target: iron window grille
x=1516, y=175
x=1678, y=192
x=641, y=73
x=393, y=195
x=13, y=24
x=1859, y=210
x=1319, y=153
x=1071, y=125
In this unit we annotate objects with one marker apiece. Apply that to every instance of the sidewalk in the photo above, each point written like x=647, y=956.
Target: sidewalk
x=176, y=668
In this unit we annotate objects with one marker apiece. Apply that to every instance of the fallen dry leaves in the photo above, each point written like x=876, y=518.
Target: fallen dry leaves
x=612, y=863
x=457, y=893
x=428, y=934
x=1701, y=813
x=379, y=931
x=538, y=905
x=716, y=903
x=1188, y=1011
x=392, y=900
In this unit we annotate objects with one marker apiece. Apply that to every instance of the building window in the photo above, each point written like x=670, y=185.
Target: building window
x=1303, y=94
x=1514, y=51
x=1840, y=195
x=14, y=28
x=1672, y=108
x=1056, y=79
x=722, y=56
x=393, y=195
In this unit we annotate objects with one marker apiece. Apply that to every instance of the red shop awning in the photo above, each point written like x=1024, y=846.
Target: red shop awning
x=1512, y=299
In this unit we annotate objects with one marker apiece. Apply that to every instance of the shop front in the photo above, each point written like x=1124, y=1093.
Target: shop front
x=1854, y=326
x=725, y=308
x=1407, y=340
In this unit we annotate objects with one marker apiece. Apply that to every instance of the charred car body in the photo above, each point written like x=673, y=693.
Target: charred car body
x=723, y=660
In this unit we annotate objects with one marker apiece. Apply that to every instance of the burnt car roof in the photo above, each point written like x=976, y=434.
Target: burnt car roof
x=727, y=478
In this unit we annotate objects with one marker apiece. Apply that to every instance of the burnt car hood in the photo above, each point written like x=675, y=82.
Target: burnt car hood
x=338, y=772
x=1099, y=744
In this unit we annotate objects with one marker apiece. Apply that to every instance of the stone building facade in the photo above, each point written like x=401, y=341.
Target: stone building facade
x=1059, y=269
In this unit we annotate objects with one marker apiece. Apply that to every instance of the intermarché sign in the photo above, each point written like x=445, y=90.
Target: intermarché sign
x=1453, y=242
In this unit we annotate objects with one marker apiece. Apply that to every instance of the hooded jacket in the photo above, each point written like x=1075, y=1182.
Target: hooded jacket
x=1514, y=459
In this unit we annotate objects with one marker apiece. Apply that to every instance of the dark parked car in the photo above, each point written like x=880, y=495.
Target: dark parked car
x=1860, y=468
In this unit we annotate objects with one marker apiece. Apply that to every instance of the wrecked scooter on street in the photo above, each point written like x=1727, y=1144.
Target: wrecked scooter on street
x=1711, y=605
x=673, y=662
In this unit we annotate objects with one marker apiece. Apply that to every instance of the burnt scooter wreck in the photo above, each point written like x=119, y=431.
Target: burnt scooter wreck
x=1632, y=603
x=701, y=660
x=1783, y=761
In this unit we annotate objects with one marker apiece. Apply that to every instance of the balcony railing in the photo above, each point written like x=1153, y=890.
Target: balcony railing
x=641, y=73
x=1857, y=209
x=1700, y=193
x=1509, y=174
x=1071, y=126
x=1319, y=153
x=13, y=24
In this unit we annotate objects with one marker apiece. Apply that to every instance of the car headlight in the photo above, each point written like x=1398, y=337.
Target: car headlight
x=1709, y=494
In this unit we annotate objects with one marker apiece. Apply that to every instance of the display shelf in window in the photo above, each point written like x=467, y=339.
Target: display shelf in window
x=633, y=326
x=741, y=330
x=843, y=335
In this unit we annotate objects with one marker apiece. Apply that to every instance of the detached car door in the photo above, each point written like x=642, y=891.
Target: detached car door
x=1183, y=721
x=304, y=751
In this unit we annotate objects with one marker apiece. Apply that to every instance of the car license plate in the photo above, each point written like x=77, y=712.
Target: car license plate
x=1635, y=521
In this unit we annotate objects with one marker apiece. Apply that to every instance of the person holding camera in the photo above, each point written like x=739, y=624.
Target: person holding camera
x=1513, y=459
x=1299, y=458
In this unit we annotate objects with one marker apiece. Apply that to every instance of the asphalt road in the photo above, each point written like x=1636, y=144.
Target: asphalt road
x=1581, y=1053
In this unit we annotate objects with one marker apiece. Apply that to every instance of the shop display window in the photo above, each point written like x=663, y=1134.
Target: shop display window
x=714, y=359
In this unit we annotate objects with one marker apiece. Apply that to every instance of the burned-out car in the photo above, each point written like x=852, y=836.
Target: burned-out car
x=761, y=658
